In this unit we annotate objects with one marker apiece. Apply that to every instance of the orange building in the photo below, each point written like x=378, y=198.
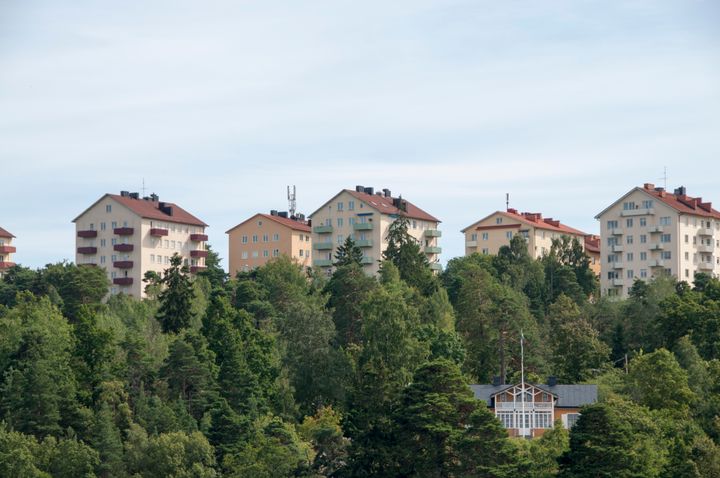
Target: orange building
x=592, y=249
x=255, y=241
x=6, y=251
x=531, y=413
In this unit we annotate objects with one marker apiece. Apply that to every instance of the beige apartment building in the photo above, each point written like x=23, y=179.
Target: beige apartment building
x=6, y=251
x=129, y=236
x=490, y=233
x=366, y=216
x=649, y=231
x=592, y=249
x=255, y=241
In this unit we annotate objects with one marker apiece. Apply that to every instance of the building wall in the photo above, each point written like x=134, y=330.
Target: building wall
x=690, y=250
x=289, y=242
x=351, y=223
x=149, y=252
x=7, y=252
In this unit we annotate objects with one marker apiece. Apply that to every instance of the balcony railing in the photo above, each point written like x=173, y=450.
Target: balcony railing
x=616, y=282
x=364, y=243
x=657, y=263
x=706, y=266
x=705, y=248
x=198, y=253
x=198, y=237
x=363, y=226
x=617, y=265
x=705, y=231
x=6, y=265
x=123, y=281
x=124, y=231
x=637, y=212
x=322, y=263
x=87, y=250
x=432, y=233
x=323, y=246
x=123, y=264
x=433, y=250
x=655, y=229
x=366, y=260
x=123, y=247
x=7, y=249
x=617, y=231
x=657, y=246
x=519, y=406
x=617, y=248
x=322, y=229
x=158, y=232
x=435, y=266
x=196, y=269
x=470, y=243
x=87, y=233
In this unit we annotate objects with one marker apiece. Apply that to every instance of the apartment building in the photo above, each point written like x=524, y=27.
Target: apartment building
x=128, y=236
x=592, y=249
x=262, y=237
x=649, y=231
x=6, y=251
x=366, y=216
x=490, y=233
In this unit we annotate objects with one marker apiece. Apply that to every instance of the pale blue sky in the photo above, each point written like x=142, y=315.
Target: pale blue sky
x=219, y=105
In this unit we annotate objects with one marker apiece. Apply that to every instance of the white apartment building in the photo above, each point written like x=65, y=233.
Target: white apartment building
x=366, y=216
x=128, y=236
x=649, y=231
x=6, y=251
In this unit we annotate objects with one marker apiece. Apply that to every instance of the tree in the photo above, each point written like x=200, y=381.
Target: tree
x=347, y=289
x=484, y=448
x=403, y=250
x=213, y=271
x=348, y=253
x=175, y=312
x=324, y=432
x=657, y=381
x=106, y=439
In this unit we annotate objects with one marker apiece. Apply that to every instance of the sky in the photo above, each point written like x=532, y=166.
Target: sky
x=219, y=105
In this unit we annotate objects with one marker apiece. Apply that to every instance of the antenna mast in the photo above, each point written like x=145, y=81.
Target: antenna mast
x=507, y=201
x=292, y=203
x=143, y=187
x=664, y=177
x=522, y=381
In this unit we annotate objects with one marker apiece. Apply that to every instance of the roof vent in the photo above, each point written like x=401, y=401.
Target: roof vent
x=282, y=214
x=135, y=195
x=124, y=193
x=154, y=197
x=273, y=212
x=387, y=193
x=552, y=381
x=359, y=189
x=370, y=191
x=166, y=208
x=659, y=189
x=681, y=191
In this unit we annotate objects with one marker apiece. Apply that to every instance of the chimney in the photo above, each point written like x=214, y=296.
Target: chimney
x=154, y=197
x=681, y=191
x=370, y=191
x=135, y=195
x=273, y=212
x=283, y=214
x=497, y=381
x=552, y=381
x=649, y=186
x=359, y=189
x=124, y=193
x=512, y=210
x=166, y=208
x=386, y=192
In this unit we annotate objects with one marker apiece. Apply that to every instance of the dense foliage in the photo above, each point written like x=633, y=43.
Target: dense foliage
x=281, y=372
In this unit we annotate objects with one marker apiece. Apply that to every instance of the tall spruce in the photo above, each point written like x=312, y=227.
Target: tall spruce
x=348, y=253
x=175, y=312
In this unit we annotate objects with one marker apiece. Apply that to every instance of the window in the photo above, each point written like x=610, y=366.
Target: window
x=485, y=251
x=265, y=238
x=687, y=256
x=611, y=241
x=266, y=253
x=687, y=273
x=244, y=239
x=255, y=254
x=665, y=221
x=276, y=252
x=351, y=221
x=254, y=238
x=630, y=274
x=643, y=273
x=167, y=243
x=113, y=224
x=259, y=223
x=351, y=205
x=340, y=222
x=108, y=208
x=628, y=239
x=276, y=237
x=643, y=222
x=569, y=419
x=612, y=224
x=543, y=420
x=629, y=222
x=506, y=418
x=643, y=256
x=340, y=238
x=648, y=204
x=414, y=224
x=643, y=238
x=485, y=236
x=244, y=255
x=665, y=238
x=687, y=239
x=508, y=234
x=339, y=206
x=666, y=255
x=629, y=256
x=498, y=220
x=473, y=236
x=102, y=259
x=629, y=205
x=113, y=257
x=301, y=252
x=103, y=242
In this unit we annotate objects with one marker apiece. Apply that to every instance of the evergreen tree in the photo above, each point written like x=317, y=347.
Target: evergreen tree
x=348, y=253
x=175, y=312
x=213, y=271
x=403, y=250
x=347, y=289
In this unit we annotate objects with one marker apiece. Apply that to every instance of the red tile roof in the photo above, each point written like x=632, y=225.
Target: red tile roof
x=385, y=205
x=151, y=210
x=592, y=243
x=285, y=221
x=535, y=219
x=682, y=203
x=5, y=233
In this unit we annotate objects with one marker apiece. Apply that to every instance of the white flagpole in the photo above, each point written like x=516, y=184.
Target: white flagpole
x=522, y=380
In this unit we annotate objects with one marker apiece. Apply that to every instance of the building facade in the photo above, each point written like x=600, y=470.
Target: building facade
x=490, y=233
x=129, y=236
x=592, y=249
x=366, y=216
x=650, y=232
x=529, y=410
x=6, y=251
x=255, y=241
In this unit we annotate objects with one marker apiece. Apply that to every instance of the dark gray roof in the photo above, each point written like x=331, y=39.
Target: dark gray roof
x=567, y=395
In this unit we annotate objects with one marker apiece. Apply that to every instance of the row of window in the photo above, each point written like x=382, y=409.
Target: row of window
x=630, y=256
x=255, y=238
x=630, y=205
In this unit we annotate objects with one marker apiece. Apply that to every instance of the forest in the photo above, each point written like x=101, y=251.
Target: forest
x=285, y=372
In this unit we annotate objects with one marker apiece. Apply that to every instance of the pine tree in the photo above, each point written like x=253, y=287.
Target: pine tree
x=404, y=251
x=348, y=253
x=175, y=312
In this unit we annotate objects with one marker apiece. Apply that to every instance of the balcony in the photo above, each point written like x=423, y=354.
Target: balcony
x=655, y=229
x=617, y=248
x=657, y=263
x=196, y=269
x=432, y=233
x=637, y=212
x=705, y=248
x=322, y=263
x=158, y=232
x=88, y=233
x=7, y=249
x=366, y=260
x=433, y=250
x=470, y=243
x=123, y=264
x=616, y=231
x=87, y=250
x=322, y=229
x=6, y=265
x=364, y=243
x=363, y=226
x=123, y=247
x=617, y=265
x=88, y=264
x=124, y=231
x=435, y=266
x=323, y=246
x=198, y=237
x=198, y=253
x=617, y=282
x=123, y=281
x=705, y=231
x=519, y=406
x=706, y=266
x=657, y=246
